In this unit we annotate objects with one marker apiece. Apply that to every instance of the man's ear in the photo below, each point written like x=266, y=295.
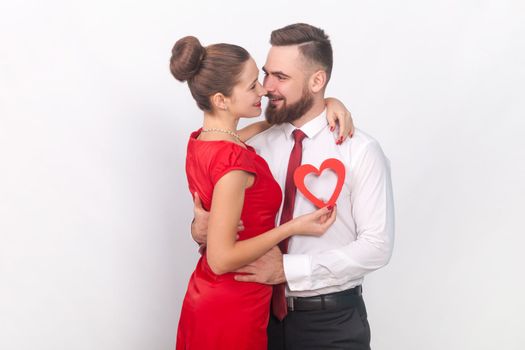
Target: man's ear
x=317, y=81
x=218, y=101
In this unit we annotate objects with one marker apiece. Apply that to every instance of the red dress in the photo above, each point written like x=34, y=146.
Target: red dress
x=219, y=312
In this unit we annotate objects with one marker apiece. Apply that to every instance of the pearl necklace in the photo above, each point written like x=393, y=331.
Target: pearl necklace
x=224, y=131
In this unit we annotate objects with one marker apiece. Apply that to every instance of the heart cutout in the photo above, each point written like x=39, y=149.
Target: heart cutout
x=331, y=163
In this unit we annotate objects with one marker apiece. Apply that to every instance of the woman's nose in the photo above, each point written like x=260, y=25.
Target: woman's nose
x=262, y=91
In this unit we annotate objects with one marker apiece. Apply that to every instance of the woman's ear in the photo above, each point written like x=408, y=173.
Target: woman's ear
x=218, y=101
x=317, y=81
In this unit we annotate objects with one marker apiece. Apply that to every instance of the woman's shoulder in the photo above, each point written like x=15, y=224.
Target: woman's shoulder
x=220, y=157
x=219, y=151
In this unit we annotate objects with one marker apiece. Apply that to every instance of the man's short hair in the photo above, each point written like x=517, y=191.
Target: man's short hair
x=313, y=43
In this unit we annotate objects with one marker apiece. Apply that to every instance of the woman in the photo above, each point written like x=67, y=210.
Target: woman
x=233, y=183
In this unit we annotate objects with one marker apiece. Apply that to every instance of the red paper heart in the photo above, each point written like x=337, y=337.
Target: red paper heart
x=334, y=164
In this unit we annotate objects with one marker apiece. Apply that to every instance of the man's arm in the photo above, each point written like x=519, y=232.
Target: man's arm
x=373, y=212
x=268, y=269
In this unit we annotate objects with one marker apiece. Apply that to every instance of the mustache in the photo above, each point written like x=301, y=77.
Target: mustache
x=270, y=95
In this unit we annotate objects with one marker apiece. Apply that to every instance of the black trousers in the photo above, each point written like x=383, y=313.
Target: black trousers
x=345, y=328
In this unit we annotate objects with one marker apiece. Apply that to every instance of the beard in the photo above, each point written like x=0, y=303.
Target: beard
x=288, y=113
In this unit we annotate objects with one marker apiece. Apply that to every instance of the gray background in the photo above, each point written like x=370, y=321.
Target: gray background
x=95, y=251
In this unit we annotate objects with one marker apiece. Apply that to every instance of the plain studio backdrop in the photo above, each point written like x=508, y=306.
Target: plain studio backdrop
x=95, y=249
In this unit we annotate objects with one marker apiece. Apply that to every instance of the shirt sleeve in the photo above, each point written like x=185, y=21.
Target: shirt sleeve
x=230, y=157
x=373, y=212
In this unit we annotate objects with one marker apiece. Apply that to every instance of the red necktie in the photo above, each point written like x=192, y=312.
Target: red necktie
x=279, y=306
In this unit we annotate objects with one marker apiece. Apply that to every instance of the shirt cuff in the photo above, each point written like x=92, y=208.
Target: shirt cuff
x=297, y=271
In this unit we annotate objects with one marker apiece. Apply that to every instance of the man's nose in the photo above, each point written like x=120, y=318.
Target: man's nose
x=267, y=85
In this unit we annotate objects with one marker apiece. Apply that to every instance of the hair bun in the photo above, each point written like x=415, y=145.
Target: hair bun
x=186, y=57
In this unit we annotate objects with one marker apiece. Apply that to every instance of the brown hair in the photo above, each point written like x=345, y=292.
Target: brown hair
x=313, y=43
x=208, y=70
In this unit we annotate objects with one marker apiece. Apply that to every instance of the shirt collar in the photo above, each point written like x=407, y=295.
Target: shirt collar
x=311, y=128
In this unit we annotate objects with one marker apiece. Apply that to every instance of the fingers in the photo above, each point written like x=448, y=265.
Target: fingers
x=331, y=122
x=341, y=135
x=240, y=227
x=331, y=218
x=347, y=130
x=341, y=126
x=323, y=218
x=352, y=128
x=245, y=278
x=342, y=130
x=316, y=223
x=321, y=212
x=319, y=216
x=327, y=217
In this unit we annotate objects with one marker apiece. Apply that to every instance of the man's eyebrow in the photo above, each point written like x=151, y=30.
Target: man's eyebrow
x=278, y=72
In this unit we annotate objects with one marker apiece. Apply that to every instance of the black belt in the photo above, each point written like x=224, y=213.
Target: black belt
x=332, y=301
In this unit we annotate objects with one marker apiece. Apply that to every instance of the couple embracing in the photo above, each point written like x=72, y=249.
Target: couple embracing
x=275, y=272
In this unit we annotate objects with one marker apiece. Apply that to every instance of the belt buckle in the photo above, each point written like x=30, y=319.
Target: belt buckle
x=289, y=303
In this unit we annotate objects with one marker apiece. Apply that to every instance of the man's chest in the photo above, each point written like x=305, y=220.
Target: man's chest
x=277, y=155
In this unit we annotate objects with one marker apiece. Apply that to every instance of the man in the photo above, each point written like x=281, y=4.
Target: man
x=324, y=307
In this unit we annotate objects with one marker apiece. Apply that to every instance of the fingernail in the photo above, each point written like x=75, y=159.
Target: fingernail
x=332, y=128
x=330, y=207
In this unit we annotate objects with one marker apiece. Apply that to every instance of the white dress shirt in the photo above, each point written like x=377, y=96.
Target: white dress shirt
x=362, y=237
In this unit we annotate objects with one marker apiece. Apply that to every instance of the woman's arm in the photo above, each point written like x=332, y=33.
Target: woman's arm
x=336, y=112
x=253, y=129
x=224, y=252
